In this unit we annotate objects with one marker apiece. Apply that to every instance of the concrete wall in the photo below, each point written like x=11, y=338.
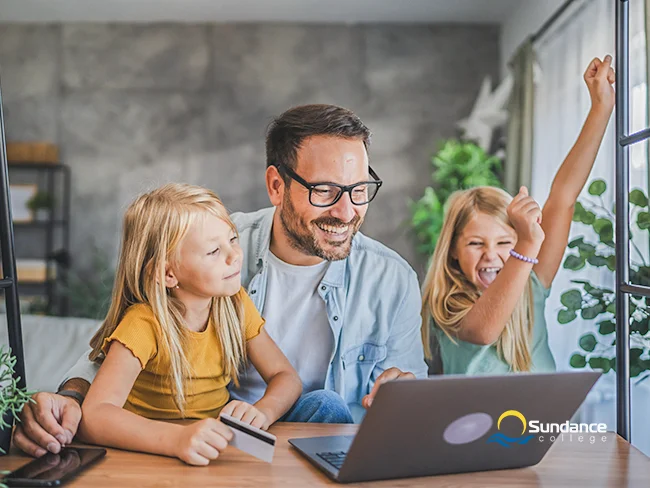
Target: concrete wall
x=133, y=106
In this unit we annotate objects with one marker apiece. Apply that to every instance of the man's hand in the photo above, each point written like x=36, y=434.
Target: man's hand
x=388, y=375
x=47, y=425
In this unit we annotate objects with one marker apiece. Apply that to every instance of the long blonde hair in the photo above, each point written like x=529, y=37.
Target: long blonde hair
x=448, y=295
x=154, y=226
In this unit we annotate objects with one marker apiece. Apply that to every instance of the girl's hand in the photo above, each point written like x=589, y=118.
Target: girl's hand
x=599, y=78
x=202, y=441
x=247, y=413
x=526, y=217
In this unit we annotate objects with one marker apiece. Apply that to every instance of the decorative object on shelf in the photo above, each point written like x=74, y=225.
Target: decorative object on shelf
x=34, y=270
x=596, y=303
x=12, y=397
x=20, y=197
x=32, y=152
x=488, y=114
x=41, y=205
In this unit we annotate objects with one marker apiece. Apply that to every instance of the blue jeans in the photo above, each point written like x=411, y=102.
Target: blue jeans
x=319, y=406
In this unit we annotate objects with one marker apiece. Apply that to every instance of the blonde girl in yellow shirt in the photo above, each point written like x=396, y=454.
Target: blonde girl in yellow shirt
x=179, y=328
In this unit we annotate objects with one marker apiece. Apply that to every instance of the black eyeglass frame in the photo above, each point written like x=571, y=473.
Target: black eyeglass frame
x=343, y=188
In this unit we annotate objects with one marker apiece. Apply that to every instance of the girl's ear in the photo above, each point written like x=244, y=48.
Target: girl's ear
x=170, y=278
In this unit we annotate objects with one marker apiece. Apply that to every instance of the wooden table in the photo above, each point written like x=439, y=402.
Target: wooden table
x=613, y=464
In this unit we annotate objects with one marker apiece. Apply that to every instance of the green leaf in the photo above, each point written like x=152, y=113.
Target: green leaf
x=638, y=198
x=611, y=308
x=635, y=353
x=604, y=229
x=606, y=327
x=640, y=327
x=565, y=316
x=597, y=188
x=574, y=263
x=643, y=220
x=598, y=261
x=589, y=218
x=578, y=212
x=572, y=299
x=611, y=262
x=599, y=363
x=588, y=342
x=576, y=242
x=577, y=361
x=592, y=312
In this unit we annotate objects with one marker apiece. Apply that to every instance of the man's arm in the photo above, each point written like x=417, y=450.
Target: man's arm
x=82, y=373
x=50, y=421
x=405, y=354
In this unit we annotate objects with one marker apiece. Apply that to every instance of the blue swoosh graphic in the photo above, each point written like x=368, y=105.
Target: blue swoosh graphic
x=506, y=441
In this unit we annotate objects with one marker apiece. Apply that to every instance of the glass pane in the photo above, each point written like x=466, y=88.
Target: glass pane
x=640, y=228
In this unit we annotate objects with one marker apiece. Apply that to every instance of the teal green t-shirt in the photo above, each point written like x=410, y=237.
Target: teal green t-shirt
x=472, y=359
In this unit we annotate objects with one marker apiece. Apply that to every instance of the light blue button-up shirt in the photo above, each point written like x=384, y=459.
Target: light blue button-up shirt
x=373, y=306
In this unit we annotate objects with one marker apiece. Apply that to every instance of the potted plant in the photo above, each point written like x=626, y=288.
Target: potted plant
x=41, y=204
x=596, y=303
x=12, y=398
x=458, y=165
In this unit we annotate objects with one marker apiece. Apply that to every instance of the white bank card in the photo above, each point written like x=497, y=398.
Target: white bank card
x=249, y=439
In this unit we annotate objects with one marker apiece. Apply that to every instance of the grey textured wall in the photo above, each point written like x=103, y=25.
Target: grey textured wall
x=133, y=106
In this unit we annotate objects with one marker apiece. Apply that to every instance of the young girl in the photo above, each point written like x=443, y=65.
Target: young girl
x=179, y=327
x=496, y=258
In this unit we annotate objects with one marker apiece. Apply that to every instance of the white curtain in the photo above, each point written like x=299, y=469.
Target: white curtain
x=561, y=105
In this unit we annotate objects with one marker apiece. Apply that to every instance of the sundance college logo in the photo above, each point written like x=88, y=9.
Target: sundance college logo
x=567, y=431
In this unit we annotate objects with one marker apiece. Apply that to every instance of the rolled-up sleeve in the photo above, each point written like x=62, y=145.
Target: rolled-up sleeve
x=84, y=369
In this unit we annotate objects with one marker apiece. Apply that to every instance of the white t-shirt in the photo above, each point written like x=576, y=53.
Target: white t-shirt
x=296, y=319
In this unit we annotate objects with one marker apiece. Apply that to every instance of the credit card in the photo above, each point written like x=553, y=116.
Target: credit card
x=254, y=441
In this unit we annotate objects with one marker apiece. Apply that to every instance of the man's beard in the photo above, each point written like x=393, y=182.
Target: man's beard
x=302, y=238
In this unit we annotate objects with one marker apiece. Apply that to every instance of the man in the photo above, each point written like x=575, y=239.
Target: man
x=343, y=308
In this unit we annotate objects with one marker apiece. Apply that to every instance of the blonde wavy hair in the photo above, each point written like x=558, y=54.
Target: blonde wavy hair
x=154, y=226
x=448, y=295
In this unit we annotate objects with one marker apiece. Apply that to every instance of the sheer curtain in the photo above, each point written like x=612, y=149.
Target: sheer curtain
x=561, y=105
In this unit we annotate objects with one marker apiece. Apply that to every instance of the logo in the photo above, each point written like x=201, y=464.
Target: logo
x=504, y=440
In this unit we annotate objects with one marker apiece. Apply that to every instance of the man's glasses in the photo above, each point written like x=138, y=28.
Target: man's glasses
x=327, y=194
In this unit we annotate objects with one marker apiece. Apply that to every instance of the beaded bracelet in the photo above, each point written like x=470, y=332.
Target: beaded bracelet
x=515, y=254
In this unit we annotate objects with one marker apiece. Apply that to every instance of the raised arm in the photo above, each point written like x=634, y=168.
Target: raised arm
x=572, y=175
x=485, y=322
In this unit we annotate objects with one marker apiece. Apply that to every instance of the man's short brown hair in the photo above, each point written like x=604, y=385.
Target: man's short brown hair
x=287, y=132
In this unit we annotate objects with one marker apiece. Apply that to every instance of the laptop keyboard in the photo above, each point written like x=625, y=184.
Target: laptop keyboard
x=334, y=458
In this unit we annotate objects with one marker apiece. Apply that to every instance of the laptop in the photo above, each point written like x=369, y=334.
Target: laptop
x=454, y=424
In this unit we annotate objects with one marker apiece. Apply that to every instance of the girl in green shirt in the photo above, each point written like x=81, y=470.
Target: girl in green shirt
x=497, y=256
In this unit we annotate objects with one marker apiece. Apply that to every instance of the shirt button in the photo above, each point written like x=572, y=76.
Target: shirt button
x=362, y=357
x=323, y=288
x=253, y=292
x=336, y=318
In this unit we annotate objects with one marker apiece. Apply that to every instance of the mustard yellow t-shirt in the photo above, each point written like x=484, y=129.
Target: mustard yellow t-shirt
x=206, y=393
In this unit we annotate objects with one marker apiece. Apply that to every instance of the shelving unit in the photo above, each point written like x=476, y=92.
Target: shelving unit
x=47, y=240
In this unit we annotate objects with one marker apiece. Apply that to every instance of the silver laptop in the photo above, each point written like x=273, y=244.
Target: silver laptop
x=453, y=424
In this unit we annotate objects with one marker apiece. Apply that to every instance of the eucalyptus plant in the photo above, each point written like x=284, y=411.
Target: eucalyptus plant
x=596, y=303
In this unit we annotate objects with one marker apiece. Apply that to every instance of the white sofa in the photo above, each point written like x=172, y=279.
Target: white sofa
x=51, y=345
